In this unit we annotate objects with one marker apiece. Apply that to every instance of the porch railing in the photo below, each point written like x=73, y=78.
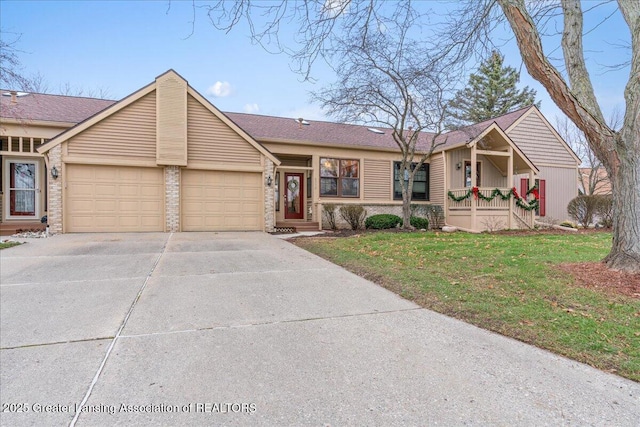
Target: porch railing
x=496, y=204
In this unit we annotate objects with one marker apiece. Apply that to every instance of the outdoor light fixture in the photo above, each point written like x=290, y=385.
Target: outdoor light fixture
x=269, y=181
x=54, y=172
x=459, y=165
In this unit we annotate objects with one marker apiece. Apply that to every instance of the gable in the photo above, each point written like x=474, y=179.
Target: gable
x=539, y=142
x=212, y=140
x=128, y=133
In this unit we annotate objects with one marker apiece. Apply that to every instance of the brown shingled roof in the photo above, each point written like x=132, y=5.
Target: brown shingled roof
x=51, y=108
x=269, y=128
x=73, y=109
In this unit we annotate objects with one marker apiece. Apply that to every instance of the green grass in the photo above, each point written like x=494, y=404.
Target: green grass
x=5, y=245
x=504, y=283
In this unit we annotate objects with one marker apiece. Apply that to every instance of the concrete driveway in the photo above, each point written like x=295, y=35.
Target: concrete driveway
x=247, y=329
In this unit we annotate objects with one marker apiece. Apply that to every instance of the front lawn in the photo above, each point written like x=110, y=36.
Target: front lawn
x=510, y=284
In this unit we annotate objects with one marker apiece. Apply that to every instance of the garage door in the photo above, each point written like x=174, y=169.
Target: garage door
x=114, y=199
x=221, y=201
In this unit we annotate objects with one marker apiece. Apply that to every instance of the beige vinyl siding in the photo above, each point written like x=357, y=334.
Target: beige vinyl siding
x=539, y=143
x=211, y=140
x=171, y=119
x=127, y=134
x=436, y=180
x=377, y=179
x=113, y=199
x=221, y=201
x=561, y=188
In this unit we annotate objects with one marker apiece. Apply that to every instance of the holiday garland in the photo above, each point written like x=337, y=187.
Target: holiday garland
x=520, y=202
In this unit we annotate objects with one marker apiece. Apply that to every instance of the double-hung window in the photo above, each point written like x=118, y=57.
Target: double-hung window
x=420, y=181
x=339, y=177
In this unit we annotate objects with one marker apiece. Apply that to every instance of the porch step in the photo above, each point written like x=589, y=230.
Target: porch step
x=297, y=226
x=9, y=228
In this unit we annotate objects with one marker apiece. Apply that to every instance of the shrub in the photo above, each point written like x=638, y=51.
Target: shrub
x=354, y=215
x=434, y=213
x=419, y=222
x=329, y=211
x=382, y=221
x=581, y=209
x=604, y=209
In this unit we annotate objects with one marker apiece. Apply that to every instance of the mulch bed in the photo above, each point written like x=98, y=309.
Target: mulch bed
x=595, y=275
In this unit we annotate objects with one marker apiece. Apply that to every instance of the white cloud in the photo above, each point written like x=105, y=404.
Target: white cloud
x=220, y=89
x=251, y=108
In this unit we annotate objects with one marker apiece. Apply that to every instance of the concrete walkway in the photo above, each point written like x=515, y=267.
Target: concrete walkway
x=247, y=329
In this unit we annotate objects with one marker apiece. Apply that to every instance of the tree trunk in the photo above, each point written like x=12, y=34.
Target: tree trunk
x=625, y=180
x=406, y=212
x=618, y=151
x=406, y=201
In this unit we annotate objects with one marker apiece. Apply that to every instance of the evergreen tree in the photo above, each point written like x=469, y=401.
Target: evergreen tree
x=491, y=92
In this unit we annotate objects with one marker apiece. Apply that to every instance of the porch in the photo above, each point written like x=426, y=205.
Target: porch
x=480, y=184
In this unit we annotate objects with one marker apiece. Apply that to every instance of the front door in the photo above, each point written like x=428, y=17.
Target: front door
x=293, y=196
x=23, y=183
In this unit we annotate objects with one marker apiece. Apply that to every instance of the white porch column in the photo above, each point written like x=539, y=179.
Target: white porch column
x=509, y=185
x=474, y=183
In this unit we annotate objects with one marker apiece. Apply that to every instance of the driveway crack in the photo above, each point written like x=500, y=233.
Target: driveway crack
x=117, y=336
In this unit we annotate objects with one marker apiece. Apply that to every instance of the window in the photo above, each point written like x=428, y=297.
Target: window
x=420, y=182
x=467, y=173
x=339, y=177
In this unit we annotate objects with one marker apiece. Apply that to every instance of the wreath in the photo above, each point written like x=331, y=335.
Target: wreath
x=292, y=185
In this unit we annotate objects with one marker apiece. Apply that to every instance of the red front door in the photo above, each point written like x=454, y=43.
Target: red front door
x=293, y=196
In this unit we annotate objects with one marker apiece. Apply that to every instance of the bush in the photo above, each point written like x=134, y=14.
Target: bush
x=582, y=208
x=329, y=211
x=419, y=222
x=604, y=209
x=434, y=213
x=383, y=221
x=354, y=215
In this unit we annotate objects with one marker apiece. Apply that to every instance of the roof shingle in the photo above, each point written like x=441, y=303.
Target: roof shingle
x=73, y=109
x=51, y=108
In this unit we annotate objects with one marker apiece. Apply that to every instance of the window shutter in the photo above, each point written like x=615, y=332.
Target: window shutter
x=524, y=187
x=542, y=184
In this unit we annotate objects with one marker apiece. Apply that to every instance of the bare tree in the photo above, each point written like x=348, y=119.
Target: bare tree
x=322, y=24
x=68, y=89
x=619, y=151
x=386, y=79
x=11, y=74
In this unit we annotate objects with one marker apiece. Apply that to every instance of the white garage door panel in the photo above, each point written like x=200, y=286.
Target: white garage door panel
x=221, y=201
x=114, y=199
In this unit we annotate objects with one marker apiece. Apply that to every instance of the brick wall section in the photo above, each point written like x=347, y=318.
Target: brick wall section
x=269, y=198
x=54, y=203
x=172, y=198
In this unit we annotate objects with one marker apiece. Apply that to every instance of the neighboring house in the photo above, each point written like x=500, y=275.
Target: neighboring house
x=600, y=178
x=165, y=159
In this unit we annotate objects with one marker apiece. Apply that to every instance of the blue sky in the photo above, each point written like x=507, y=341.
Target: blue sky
x=120, y=46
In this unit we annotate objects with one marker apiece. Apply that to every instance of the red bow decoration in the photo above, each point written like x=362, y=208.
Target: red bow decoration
x=474, y=190
x=515, y=193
